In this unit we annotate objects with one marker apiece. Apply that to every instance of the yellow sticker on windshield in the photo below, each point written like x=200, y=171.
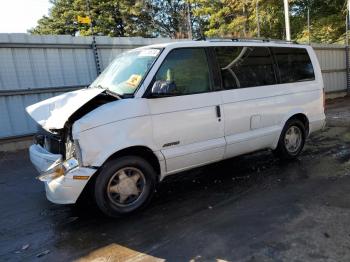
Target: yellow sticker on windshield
x=134, y=80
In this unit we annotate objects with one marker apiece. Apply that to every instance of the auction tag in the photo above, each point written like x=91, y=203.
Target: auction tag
x=134, y=80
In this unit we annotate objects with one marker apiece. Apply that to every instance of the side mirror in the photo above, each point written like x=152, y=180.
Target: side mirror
x=163, y=88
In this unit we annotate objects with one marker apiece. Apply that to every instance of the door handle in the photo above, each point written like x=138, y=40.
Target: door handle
x=218, y=111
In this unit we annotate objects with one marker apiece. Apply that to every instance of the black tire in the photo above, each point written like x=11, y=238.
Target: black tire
x=108, y=201
x=282, y=150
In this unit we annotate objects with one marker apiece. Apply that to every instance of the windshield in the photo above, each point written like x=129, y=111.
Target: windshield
x=125, y=73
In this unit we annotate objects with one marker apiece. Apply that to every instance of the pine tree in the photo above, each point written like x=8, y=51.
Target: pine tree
x=109, y=17
x=212, y=18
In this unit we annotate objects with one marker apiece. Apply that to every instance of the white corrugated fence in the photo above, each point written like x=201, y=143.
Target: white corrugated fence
x=33, y=68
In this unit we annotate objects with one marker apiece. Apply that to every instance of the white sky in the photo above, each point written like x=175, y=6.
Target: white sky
x=17, y=16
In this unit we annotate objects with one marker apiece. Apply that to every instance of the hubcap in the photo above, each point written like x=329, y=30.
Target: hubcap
x=126, y=186
x=293, y=139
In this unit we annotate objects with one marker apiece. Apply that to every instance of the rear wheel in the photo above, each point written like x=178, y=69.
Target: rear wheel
x=292, y=140
x=124, y=185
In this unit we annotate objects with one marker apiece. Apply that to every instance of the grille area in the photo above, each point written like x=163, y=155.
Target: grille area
x=51, y=143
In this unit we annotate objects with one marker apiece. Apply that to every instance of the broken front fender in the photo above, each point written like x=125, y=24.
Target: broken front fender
x=67, y=189
x=64, y=181
x=42, y=159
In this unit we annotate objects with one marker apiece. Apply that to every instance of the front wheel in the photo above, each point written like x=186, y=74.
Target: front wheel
x=292, y=140
x=124, y=185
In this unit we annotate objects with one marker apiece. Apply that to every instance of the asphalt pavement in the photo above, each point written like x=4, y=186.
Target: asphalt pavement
x=250, y=208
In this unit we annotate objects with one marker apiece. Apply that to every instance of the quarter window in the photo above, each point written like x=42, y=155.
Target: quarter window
x=294, y=64
x=184, y=71
x=245, y=66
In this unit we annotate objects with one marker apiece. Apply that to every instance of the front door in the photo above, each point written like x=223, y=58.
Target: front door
x=187, y=124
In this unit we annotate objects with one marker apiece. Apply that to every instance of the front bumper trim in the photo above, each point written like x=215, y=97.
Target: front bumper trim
x=64, y=189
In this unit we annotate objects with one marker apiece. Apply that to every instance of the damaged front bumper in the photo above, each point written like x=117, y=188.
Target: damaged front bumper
x=64, y=180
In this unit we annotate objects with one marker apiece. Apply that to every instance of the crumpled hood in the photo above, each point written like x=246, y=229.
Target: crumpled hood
x=53, y=113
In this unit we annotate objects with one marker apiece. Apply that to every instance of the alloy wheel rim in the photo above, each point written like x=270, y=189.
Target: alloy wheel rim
x=126, y=186
x=293, y=139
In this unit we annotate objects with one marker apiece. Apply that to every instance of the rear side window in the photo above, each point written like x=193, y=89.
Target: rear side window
x=183, y=72
x=245, y=66
x=294, y=64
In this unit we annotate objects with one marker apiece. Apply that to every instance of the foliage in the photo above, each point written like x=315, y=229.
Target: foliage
x=327, y=19
x=110, y=17
x=59, y=21
x=212, y=18
x=238, y=18
x=169, y=17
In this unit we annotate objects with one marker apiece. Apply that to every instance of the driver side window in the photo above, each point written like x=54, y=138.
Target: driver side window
x=183, y=72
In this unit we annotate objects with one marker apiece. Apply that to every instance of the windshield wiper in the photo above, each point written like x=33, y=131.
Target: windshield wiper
x=110, y=92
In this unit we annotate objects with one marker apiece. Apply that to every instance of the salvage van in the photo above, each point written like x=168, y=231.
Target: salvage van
x=162, y=109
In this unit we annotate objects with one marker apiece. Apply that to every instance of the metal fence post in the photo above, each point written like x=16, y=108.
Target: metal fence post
x=93, y=45
x=347, y=49
x=347, y=69
x=96, y=57
x=347, y=53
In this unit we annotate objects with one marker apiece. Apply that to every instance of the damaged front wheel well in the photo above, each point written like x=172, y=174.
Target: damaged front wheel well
x=141, y=151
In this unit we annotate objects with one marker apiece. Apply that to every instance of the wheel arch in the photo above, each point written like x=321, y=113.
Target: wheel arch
x=140, y=151
x=304, y=119
x=300, y=115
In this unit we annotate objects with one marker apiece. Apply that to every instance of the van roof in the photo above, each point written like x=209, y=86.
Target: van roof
x=226, y=42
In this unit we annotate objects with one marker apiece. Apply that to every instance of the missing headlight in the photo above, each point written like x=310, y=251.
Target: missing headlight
x=77, y=152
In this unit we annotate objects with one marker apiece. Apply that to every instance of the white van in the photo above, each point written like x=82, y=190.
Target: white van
x=161, y=109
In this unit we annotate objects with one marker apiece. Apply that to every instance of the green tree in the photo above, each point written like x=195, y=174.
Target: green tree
x=60, y=20
x=110, y=17
x=327, y=20
x=238, y=18
x=271, y=14
x=148, y=18
x=169, y=17
x=233, y=18
x=212, y=18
